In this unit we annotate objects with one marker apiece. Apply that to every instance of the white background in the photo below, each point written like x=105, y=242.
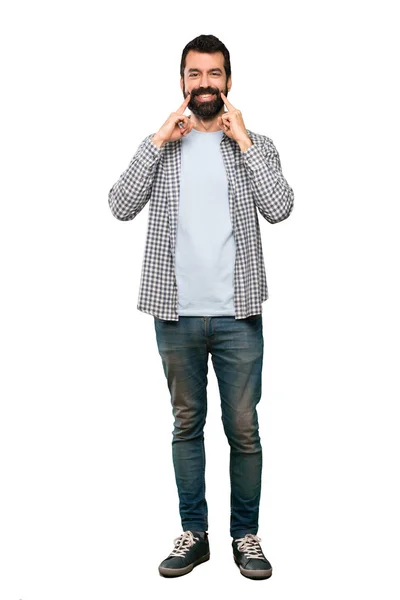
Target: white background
x=88, y=502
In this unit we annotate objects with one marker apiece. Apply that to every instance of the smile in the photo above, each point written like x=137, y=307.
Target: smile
x=205, y=97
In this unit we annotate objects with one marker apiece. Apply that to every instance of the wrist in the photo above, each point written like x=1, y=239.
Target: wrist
x=245, y=144
x=157, y=141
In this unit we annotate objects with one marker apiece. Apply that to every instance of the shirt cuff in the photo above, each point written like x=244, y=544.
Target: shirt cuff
x=150, y=153
x=252, y=157
x=155, y=150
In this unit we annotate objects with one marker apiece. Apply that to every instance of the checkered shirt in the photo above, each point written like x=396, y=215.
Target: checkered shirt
x=255, y=180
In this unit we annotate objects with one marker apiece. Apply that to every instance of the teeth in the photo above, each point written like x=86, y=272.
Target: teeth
x=205, y=95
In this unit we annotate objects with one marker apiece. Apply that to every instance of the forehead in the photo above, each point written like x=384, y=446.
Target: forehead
x=204, y=61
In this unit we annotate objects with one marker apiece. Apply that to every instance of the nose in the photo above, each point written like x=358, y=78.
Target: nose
x=204, y=82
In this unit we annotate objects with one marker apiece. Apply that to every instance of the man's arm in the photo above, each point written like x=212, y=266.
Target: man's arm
x=132, y=191
x=272, y=194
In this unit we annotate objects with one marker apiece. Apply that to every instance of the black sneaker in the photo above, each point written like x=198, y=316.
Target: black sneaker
x=191, y=549
x=249, y=557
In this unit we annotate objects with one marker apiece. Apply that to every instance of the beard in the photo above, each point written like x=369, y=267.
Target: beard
x=210, y=108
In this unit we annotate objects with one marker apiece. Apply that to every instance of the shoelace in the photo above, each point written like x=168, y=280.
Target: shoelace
x=183, y=543
x=250, y=545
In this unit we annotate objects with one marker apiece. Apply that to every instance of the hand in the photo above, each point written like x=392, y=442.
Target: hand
x=232, y=124
x=170, y=131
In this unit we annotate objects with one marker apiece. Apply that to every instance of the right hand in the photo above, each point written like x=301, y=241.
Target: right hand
x=170, y=131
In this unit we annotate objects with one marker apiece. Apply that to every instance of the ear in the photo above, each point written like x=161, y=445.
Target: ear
x=229, y=83
x=181, y=83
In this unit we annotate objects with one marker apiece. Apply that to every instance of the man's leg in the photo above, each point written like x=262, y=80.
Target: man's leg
x=183, y=350
x=237, y=355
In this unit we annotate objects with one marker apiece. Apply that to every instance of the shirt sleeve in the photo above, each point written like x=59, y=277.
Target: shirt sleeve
x=132, y=191
x=272, y=194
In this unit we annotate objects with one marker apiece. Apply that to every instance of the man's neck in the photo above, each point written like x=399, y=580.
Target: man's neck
x=206, y=125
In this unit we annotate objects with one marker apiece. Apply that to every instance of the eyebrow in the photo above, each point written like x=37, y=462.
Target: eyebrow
x=209, y=70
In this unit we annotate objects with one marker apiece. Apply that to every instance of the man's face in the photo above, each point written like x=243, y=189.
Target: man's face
x=205, y=74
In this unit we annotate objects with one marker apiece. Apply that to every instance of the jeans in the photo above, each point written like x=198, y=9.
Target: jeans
x=236, y=348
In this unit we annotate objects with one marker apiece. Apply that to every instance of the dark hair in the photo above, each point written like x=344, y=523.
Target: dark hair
x=207, y=44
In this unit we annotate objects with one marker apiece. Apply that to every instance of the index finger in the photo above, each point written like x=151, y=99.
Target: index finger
x=227, y=103
x=184, y=104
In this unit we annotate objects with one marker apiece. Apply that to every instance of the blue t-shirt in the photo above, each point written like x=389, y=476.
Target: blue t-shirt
x=205, y=246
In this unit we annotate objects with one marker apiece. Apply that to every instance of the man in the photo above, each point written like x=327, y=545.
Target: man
x=203, y=280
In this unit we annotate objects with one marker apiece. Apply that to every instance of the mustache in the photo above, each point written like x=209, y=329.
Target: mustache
x=201, y=92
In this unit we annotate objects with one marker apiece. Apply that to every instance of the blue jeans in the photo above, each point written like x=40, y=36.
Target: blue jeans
x=236, y=348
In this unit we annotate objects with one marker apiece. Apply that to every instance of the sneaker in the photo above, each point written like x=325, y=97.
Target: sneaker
x=191, y=549
x=249, y=557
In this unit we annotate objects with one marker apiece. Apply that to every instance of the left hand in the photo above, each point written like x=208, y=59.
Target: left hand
x=232, y=123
